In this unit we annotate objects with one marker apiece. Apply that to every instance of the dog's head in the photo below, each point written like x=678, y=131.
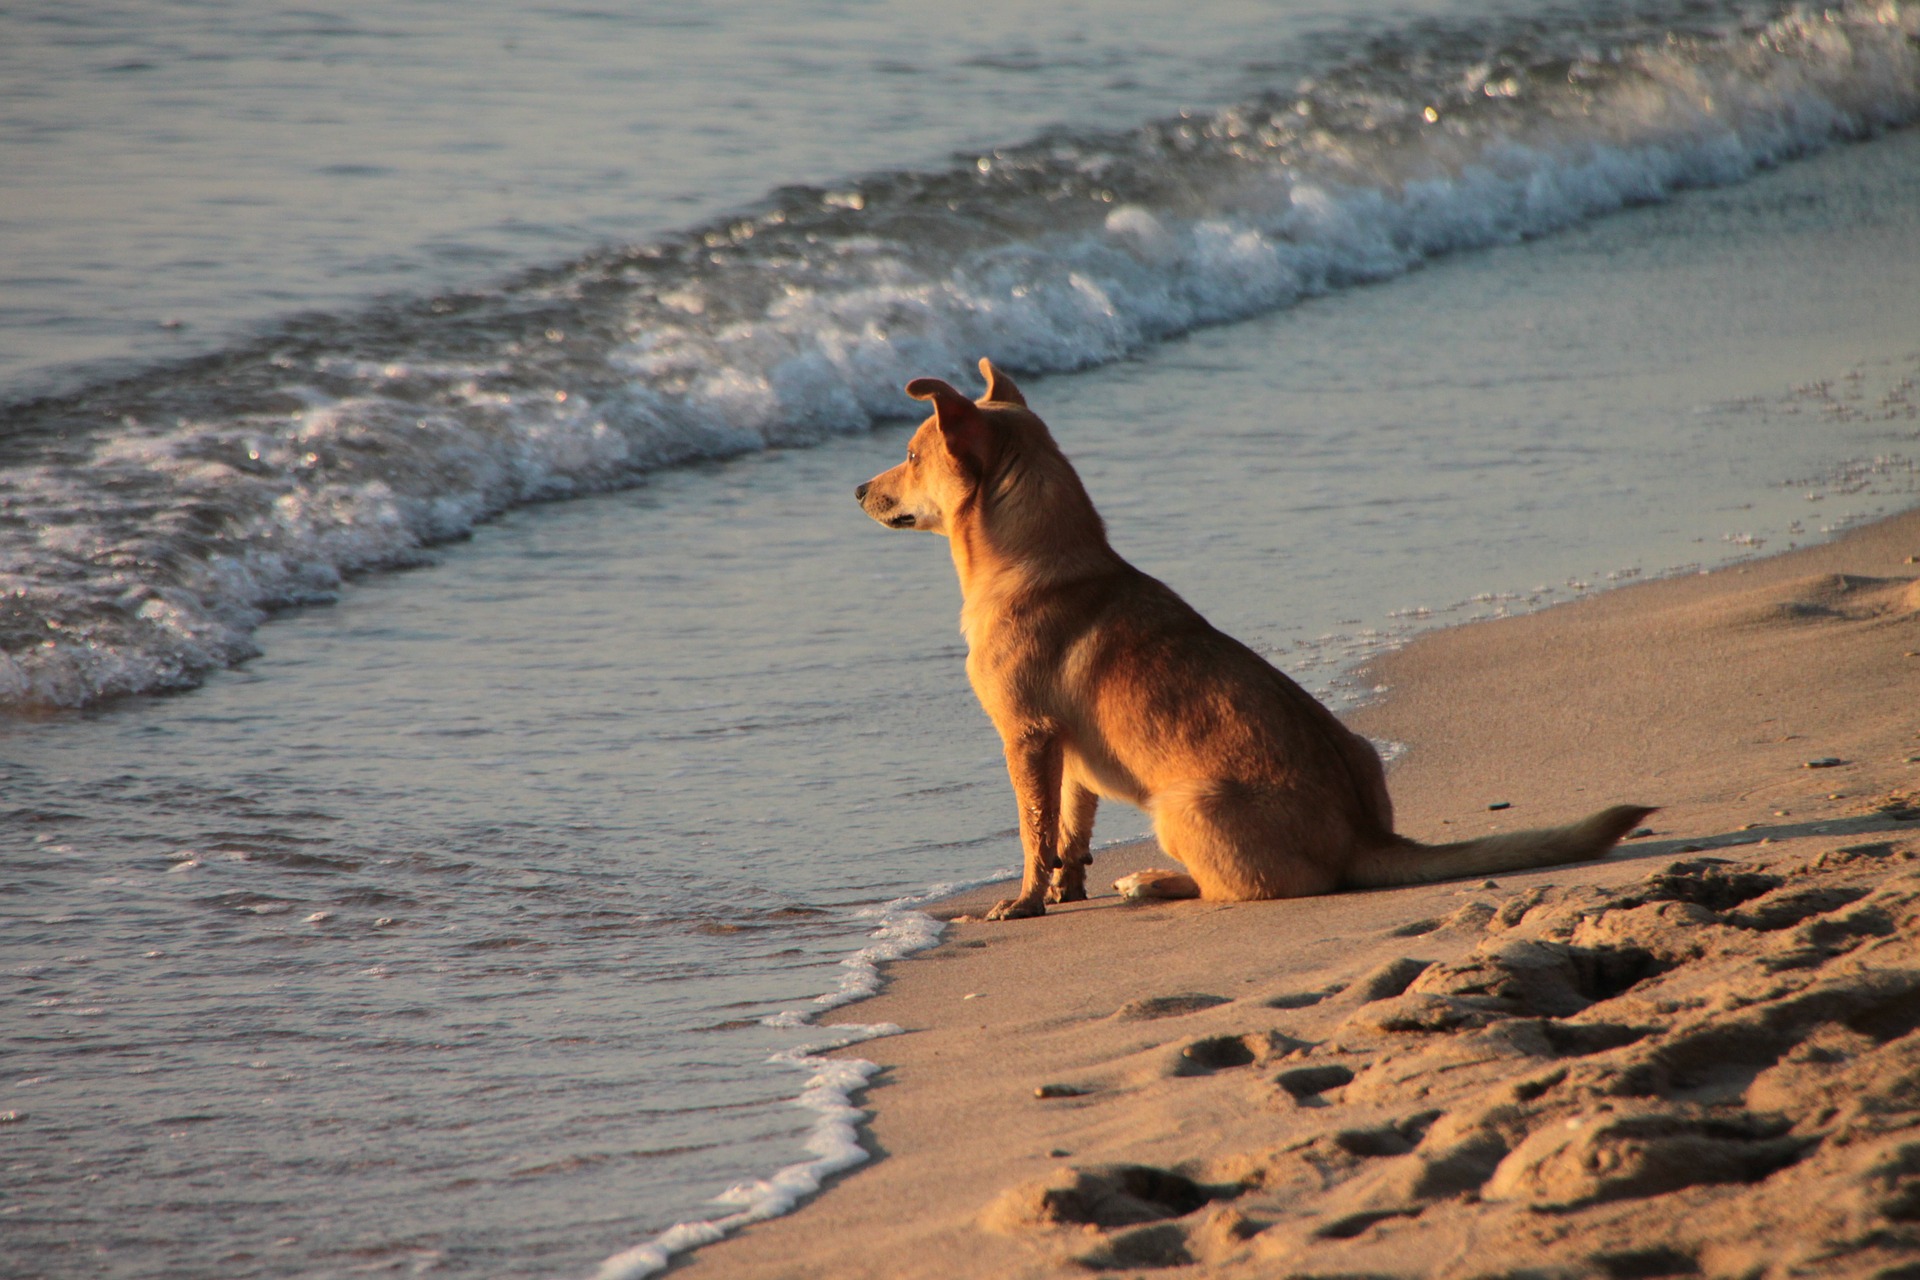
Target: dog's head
x=949, y=456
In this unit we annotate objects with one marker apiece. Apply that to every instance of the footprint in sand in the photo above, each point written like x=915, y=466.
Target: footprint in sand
x=1152, y=1008
x=1307, y=1085
x=1212, y=1054
x=1305, y=999
x=1136, y=1203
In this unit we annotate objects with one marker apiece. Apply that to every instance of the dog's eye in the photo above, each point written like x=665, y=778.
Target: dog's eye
x=912, y=456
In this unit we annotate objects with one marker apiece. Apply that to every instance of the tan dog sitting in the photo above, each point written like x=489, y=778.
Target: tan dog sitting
x=1102, y=682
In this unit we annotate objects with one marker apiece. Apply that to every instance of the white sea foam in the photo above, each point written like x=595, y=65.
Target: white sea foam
x=900, y=929
x=834, y=1145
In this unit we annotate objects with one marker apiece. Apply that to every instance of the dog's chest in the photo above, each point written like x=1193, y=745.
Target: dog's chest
x=1013, y=657
x=1037, y=666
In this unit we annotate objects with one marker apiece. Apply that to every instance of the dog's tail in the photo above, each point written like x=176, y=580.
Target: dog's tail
x=1410, y=862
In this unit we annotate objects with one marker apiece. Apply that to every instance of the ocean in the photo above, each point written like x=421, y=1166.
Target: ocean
x=458, y=732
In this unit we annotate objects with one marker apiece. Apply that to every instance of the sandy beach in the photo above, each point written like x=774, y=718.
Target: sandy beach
x=460, y=736
x=1694, y=1057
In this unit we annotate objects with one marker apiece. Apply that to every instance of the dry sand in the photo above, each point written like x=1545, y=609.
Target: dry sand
x=1695, y=1057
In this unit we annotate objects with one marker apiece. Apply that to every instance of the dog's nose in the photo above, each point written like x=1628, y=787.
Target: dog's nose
x=860, y=490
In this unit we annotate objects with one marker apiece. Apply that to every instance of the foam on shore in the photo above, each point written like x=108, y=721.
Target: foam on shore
x=901, y=929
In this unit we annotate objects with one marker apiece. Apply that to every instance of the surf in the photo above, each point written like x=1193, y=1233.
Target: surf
x=159, y=519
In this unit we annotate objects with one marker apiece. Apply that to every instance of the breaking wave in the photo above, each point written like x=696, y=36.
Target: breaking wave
x=148, y=525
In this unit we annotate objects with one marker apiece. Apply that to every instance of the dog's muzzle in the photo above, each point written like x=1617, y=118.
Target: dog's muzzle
x=904, y=520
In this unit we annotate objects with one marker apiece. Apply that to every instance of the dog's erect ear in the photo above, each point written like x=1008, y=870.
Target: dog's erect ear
x=962, y=425
x=1000, y=388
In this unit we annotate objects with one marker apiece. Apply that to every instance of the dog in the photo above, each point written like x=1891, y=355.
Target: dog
x=1104, y=683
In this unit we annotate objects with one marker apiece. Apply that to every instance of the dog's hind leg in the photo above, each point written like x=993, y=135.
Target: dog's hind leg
x=1242, y=843
x=1077, y=805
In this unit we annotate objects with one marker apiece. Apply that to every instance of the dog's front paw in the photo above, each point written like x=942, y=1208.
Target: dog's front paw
x=1017, y=909
x=1073, y=891
x=1069, y=883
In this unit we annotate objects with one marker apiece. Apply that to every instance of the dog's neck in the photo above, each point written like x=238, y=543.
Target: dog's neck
x=1029, y=525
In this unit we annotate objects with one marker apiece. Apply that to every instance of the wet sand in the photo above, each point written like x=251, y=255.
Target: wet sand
x=1694, y=1057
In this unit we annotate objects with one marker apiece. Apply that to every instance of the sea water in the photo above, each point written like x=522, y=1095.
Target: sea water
x=472, y=920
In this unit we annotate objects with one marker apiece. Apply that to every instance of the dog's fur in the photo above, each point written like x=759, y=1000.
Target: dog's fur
x=1103, y=682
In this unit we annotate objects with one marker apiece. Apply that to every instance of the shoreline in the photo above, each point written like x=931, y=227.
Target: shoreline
x=1160, y=1030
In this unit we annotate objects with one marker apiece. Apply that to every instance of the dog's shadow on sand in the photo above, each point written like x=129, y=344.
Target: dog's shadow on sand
x=1896, y=821
x=1856, y=828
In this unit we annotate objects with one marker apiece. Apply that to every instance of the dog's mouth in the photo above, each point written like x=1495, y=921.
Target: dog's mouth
x=902, y=521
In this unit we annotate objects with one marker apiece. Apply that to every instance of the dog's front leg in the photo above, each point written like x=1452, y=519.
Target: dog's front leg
x=1034, y=763
x=1077, y=806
